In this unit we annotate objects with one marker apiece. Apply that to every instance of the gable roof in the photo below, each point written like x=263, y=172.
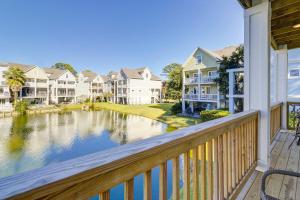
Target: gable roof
x=227, y=51
x=131, y=73
x=137, y=73
x=22, y=67
x=54, y=73
x=155, y=78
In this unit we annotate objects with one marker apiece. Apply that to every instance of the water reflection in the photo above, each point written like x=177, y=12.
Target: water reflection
x=28, y=142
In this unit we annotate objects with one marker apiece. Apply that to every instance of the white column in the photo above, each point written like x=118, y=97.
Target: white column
x=199, y=86
x=257, y=74
x=231, y=85
x=282, y=82
x=192, y=106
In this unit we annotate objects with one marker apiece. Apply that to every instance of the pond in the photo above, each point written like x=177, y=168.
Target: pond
x=34, y=141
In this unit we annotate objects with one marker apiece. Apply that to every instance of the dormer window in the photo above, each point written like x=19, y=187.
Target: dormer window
x=199, y=59
x=146, y=75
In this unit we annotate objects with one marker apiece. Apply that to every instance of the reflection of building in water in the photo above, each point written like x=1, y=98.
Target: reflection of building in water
x=53, y=134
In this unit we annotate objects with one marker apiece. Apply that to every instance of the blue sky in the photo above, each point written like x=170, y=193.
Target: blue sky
x=104, y=35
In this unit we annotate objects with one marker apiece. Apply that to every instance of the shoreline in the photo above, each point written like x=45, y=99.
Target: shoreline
x=159, y=112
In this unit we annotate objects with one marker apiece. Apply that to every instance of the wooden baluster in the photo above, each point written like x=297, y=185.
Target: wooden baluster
x=243, y=149
x=163, y=181
x=128, y=190
x=209, y=170
x=175, y=174
x=237, y=156
x=225, y=160
x=233, y=160
x=251, y=142
x=229, y=153
x=255, y=138
x=104, y=195
x=203, y=170
x=220, y=165
x=215, y=169
x=240, y=152
x=195, y=173
x=186, y=175
x=246, y=147
x=147, y=185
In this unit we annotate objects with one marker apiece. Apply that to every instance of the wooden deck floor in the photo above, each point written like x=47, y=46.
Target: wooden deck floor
x=282, y=187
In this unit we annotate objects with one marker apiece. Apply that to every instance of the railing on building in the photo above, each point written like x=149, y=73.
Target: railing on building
x=222, y=152
x=191, y=80
x=275, y=123
x=208, y=79
x=210, y=97
x=293, y=108
x=191, y=96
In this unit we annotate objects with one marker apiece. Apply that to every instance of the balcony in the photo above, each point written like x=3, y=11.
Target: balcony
x=191, y=80
x=209, y=97
x=191, y=96
x=208, y=79
x=217, y=157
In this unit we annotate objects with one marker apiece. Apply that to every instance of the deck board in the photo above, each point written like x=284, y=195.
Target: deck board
x=282, y=157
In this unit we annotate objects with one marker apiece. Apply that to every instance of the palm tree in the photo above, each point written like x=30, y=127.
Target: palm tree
x=15, y=79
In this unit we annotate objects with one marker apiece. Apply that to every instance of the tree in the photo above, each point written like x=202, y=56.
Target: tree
x=15, y=79
x=65, y=66
x=174, y=83
x=236, y=60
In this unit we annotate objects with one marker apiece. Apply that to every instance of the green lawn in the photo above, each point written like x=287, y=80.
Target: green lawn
x=160, y=112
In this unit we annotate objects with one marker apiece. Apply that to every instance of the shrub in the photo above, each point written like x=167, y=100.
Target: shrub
x=208, y=115
x=176, y=108
x=21, y=107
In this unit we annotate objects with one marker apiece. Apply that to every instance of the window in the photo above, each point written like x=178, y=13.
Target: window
x=199, y=59
x=146, y=75
x=294, y=73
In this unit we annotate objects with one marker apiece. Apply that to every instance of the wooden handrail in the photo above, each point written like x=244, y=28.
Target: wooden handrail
x=83, y=177
x=276, y=105
x=275, y=120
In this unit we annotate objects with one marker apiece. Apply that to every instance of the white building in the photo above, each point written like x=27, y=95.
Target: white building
x=199, y=71
x=138, y=86
x=35, y=89
x=110, y=86
x=89, y=85
x=5, y=96
x=62, y=86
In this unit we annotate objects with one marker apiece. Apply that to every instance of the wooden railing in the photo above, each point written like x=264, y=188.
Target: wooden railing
x=218, y=157
x=275, y=123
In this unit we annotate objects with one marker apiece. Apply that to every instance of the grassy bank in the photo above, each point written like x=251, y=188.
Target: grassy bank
x=160, y=112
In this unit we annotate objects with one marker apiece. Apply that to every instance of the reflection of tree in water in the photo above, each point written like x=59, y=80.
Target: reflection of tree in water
x=19, y=132
x=118, y=128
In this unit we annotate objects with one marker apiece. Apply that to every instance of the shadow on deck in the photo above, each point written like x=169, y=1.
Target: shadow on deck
x=279, y=186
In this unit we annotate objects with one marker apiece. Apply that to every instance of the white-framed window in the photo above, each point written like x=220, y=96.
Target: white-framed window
x=294, y=73
x=199, y=59
x=195, y=75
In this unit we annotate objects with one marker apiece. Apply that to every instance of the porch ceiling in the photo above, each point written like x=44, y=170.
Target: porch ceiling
x=285, y=16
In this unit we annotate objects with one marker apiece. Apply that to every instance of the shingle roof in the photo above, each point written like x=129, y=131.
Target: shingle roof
x=89, y=73
x=131, y=73
x=54, y=73
x=227, y=51
x=22, y=67
x=137, y=74
x=155, y=78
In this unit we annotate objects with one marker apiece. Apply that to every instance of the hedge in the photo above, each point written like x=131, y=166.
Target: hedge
x=208, y=115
